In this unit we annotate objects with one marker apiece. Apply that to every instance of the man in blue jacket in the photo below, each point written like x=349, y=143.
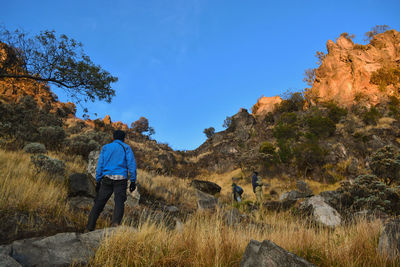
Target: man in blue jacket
x=115, y=161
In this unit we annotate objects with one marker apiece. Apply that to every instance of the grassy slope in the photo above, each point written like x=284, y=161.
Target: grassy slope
x=203, y=240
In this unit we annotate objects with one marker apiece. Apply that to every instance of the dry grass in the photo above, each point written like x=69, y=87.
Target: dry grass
x=24, y=190
x=204, y=240
x=172, y=189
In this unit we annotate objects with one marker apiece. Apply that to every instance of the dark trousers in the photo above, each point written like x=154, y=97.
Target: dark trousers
x=108, y=186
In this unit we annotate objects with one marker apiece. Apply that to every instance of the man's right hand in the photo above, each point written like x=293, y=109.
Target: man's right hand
x=98, y=184
x=132, y=186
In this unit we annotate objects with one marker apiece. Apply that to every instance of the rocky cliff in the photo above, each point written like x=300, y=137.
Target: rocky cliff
x=352, y=72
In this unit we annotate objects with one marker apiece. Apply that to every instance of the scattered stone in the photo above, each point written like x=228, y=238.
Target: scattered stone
x=206, y=201
x=62, y=249
x=171, y=209
x=320, y=212
x=206, y=186
x=81, y=185
x=268, y=254
x=389, y=240
x=293, y=195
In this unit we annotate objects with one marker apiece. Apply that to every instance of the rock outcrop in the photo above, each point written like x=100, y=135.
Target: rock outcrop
x=265, y=105
x=268, y=254
x=62, y=249
x=345, y=73
x=389, y=240
x=320, y=212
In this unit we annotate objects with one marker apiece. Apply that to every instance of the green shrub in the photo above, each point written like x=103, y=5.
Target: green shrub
x=288, y=118
x=320, y=126
x=44, y=163
x=367, y=192
x=52, y=136
x=209, y=132
x=371, y=116
x=285, y=152
x=35, y=148
x=267, y=148
x=386, y=76
x=291, y=102
x=335, y=113
x=82, y=144
x=393, y=106
x=285, y=131
x=308, y=155
x=385, y=163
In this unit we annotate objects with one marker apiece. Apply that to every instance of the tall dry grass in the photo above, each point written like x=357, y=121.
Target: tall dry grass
x=205, y=240
x=22, y=189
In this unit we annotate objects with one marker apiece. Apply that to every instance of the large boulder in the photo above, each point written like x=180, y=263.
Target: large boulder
x=389, y=240
x=92, y=162
x=206, y=186
x=293, y=195
x=62, y=249
x=268, y=254
x=320, y=212
x=81, y=185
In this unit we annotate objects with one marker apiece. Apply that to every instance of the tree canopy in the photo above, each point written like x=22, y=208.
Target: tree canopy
x=57, y=60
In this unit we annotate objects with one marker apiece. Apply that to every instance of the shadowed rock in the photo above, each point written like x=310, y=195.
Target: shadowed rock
x=206, y=186
x=268, y=254
x=389, y=240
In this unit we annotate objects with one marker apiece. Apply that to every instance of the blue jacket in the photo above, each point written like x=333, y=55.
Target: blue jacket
x=114, y=160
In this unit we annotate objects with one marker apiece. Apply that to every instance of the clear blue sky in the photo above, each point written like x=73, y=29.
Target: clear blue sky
x=187, y=64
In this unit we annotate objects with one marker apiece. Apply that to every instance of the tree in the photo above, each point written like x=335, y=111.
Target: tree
x=321, y=56
x=374, y=31
x=227, y=122
x=56, y=60
x=209, y=132
x=141, y=126
x=309, y=76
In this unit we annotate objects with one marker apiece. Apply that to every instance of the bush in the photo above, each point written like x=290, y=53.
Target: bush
x=47, y=164
x=335, y=113
x=367, y=192
x=386, y=76
x=51, y=136
x=82, y=144
x=320, y=126
x=285, y=152
x=393, y=105
x=308, y=155
x=285, y=131
x=267, y=148
x=288, y=118
x=385, y=163
x=371, y=116
x=291, y=102
x=209, y=132
x=35, y=148
x=227, y=122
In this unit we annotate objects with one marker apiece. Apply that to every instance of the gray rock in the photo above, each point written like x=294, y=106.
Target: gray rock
x=268, y=254
x=206, y=201
x=81, y=185
x=389, y=240
x=206, y=186
x=92, y=162
x=293, y=195
x=8, y=261
x=320, y=212
x=171, y=209
x=59, y=250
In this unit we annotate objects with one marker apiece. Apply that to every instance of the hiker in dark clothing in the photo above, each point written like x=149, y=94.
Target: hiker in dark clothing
x=257, y=186
x=237, y=192
x=115, y=162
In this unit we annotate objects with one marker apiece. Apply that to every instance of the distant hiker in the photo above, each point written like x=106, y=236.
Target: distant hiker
x=115, y=161
x=257, y=186
x=237, y=192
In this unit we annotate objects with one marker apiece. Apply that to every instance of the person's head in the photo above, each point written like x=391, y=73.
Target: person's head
x=233, y=185
x=256, y=173
x=119, y=135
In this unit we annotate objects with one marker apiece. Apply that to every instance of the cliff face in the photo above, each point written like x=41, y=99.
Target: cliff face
x=345, y=74
x=265, y=105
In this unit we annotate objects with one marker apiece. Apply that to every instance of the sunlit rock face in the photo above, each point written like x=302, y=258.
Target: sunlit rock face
x=345, y=74
x=266, y=104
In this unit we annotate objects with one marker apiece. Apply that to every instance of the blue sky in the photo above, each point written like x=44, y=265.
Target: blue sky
x=187, y=64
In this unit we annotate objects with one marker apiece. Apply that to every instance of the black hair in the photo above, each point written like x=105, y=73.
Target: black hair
x=119, y=135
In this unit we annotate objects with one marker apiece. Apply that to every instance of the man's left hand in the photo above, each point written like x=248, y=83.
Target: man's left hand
x=132, y=186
